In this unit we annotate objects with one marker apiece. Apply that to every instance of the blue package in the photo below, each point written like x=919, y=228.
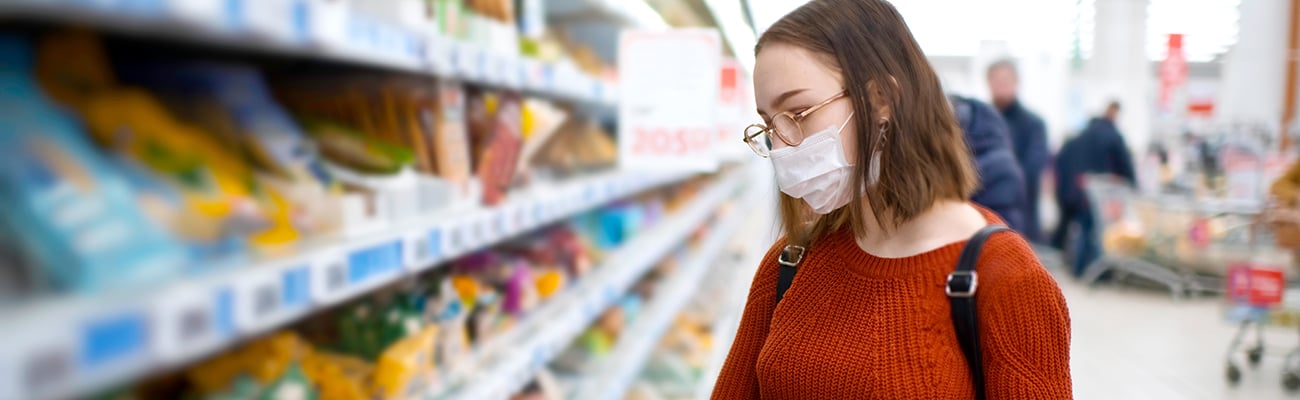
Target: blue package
x=77, y=217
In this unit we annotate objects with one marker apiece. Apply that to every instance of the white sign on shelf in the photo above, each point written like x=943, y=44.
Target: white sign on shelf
x=672, y=119
x=329, y=276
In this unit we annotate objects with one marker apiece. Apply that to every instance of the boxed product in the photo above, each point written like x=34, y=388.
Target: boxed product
x=80, y=225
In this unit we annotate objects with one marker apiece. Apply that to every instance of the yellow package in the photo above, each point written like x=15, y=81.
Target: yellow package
x=265, y=360
x=405, y=365
x=338, y=377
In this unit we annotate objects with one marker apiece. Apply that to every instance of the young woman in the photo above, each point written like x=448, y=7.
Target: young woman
x=876, y=181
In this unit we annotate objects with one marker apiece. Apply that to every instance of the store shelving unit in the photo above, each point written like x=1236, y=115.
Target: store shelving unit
x=507, y=363
x=77, y=345
x=622, y=365
x=83, y=343
x=322, y=30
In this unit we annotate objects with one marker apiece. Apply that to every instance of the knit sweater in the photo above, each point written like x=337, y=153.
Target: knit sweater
x=857, y=326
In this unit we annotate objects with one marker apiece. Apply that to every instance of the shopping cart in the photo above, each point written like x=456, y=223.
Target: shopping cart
x=1254, y=292
x=1115, y=206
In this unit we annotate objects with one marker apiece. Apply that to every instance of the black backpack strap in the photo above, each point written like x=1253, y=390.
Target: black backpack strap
x=789, y=260
x=961, y=287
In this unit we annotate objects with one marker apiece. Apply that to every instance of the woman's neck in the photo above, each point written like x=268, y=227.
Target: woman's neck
x=947, y=221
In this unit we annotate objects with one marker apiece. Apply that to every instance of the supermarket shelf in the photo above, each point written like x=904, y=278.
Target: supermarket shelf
x=633, y=13
x=622, y=366
x=323, y=30
x=78, y=344
x=510, y=361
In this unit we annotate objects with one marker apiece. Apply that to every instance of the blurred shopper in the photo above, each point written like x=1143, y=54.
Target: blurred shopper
x=1101, y=150
x=1002, y=185
x=1028, y=136
x=876, y=182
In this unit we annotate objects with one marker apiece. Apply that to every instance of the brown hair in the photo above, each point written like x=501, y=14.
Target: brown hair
x=924, y=157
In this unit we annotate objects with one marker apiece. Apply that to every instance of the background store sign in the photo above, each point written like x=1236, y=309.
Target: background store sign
x=669, y=115
x=1173, y=70
x=735, y=111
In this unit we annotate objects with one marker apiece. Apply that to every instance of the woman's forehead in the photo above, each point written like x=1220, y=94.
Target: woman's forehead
x=781, y=67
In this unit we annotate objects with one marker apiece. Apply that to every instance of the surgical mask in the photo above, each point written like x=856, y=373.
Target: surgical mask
x=815, y=170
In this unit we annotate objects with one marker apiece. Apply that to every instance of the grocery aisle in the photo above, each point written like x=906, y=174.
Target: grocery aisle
x=296, y=199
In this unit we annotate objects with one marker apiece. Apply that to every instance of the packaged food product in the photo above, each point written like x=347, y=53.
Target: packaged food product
x=79, y=222
x=406, y=365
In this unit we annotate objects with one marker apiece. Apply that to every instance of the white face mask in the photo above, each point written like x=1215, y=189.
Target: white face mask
x=816, y=170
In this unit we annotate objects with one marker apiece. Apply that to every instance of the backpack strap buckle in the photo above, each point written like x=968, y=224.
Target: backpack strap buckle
x=791, y=256
x=962, y=284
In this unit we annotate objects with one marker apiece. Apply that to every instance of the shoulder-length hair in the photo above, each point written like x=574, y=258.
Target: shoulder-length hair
x=924, y=157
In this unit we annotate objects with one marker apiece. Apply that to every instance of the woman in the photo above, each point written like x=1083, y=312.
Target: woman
x=876, y=181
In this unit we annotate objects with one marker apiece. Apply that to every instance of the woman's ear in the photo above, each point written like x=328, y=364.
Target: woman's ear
x=880, y=98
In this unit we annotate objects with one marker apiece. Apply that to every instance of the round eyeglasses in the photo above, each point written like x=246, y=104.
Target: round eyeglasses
x=786, y=127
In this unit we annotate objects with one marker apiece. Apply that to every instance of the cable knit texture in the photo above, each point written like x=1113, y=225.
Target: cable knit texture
x=856, y=326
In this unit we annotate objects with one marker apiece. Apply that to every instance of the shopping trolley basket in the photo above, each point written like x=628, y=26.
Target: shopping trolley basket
x=1254, y=291
x=1113, y=205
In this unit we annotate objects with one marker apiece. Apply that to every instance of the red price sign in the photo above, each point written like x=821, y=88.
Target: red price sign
x=1256, y=285
x=669, y=141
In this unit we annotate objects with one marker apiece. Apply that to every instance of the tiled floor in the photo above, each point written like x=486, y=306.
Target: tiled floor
x=1133, y=343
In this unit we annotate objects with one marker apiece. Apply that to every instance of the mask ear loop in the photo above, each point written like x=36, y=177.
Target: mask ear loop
x=873, y=169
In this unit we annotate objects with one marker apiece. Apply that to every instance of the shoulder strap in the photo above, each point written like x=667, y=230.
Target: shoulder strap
x=960, y=289
x=789, y=260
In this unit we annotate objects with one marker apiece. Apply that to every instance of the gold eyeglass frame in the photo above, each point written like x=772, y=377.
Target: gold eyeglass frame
x=797, y=118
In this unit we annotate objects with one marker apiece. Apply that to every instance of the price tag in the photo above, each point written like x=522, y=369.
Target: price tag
x=272, y=18
x=259, y=299
x=521, y=217
x=374, y=262
x=295, y=287
x=519, y=76
x=538, y=214
x=192, y=320
x=37, y=360
x=468, y=59
x=435, y=245
x=548, y=82
x=472, y=63
x=440, y=52
x=452, y=239
x=496, y=68
x=483, y=234
x=501, y=223
x=329, y=276
x=418, y=251
x=575, y=203
x=612, y=191
x=510, y=72
x=113, y=340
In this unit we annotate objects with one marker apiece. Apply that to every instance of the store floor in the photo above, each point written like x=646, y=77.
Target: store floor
x=1131, y=343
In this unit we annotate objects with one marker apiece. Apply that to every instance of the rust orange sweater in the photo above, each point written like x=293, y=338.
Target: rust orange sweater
x=856, y=326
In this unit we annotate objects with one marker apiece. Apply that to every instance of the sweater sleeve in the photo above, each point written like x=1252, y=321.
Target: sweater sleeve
x=739, y=377
x=1024, y=325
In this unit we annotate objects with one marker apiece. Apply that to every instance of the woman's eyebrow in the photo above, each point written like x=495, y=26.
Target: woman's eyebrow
x=780, y=100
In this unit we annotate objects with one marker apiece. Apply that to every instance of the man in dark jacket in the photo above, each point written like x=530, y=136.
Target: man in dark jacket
x=1028, y=138
x=1002, y=187
x=1099, y=149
